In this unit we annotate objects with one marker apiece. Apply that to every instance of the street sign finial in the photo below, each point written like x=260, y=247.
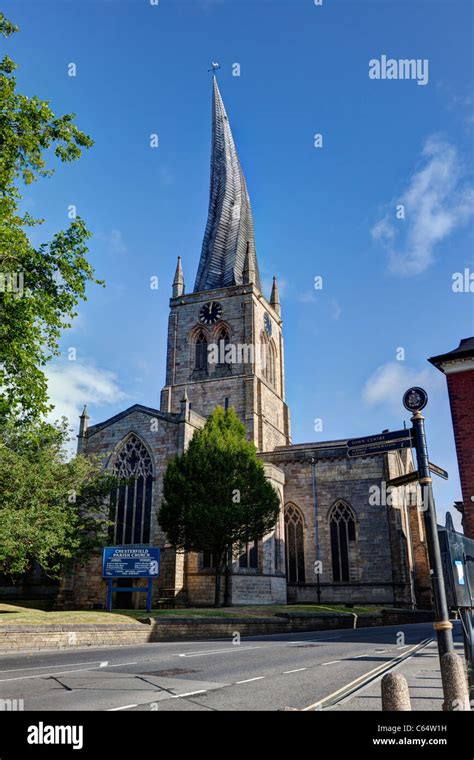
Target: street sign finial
x=415, y=399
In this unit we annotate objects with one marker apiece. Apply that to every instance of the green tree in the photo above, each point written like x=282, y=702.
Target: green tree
x=51, y=509
x=215, y=494
x=39, y=288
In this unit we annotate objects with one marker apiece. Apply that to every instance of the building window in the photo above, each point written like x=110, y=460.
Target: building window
x=343, y=542
x=276, y=538
x=294, y=535
x=208, y=562
x=201, y=352
x=223, y=341
x=131, y=503
x=249, y=554
x=269, y=359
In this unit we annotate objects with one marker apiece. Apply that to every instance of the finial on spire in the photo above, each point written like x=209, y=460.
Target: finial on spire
x=275, y=297
x=178, y=282
x=214, y=67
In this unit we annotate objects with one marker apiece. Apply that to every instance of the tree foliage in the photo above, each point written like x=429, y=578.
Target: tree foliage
x=51, y=509
x=215, y=494
x=39, y=287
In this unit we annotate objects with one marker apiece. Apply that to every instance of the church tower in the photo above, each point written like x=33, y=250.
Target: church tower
x=225, y=343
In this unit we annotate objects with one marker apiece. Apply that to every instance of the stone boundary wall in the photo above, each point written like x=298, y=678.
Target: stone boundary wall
x=17, y=638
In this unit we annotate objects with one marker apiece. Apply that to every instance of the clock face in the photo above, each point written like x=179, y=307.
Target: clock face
x=210, y=313
x=268, y=324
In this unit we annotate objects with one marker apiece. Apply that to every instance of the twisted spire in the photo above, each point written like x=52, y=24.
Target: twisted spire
x=229, y=231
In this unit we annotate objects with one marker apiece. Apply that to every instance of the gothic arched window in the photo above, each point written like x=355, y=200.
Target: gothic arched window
x=201, y=352
x=343, y=542
x=294, y=535
x=268, y=358
x=222, y=341
x=131, y=503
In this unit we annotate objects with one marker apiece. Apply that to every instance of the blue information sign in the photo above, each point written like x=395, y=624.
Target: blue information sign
x=131, y=562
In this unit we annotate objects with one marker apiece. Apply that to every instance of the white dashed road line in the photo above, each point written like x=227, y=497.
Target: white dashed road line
x=247, y=680
x=188, y=694
x=125, y=707
x=330, y=663
x=297, y=670
x=215, y=651
x=64, y=672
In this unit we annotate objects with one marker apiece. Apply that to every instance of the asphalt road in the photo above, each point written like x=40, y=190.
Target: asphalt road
x=260, y=673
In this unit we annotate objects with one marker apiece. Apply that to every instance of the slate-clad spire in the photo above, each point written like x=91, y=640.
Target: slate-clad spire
x=229, y=230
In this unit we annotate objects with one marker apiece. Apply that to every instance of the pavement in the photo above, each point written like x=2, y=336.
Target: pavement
x=423, y=676
x=306, y=671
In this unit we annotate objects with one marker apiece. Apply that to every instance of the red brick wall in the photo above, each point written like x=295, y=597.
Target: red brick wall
x=461, y=396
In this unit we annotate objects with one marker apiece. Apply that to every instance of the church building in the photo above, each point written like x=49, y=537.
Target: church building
x=338, y=539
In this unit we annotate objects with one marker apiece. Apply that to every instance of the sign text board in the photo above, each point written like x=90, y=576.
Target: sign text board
x=131, y=562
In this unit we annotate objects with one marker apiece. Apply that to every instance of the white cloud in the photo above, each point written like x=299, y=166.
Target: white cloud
x=389, y=382
x=436, y=203
x=73, y=384
x=113, y=240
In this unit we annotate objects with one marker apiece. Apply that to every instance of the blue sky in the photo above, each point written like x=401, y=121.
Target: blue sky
x=329, y=211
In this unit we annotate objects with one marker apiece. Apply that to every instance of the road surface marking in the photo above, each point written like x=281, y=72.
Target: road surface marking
x=125, y=707
x=330, y=663
x=247, y=680
x=297, y=670
x=63, y=672
x=104, y=664
x=42, y=667
x=236, y=648
x=188, y=694
x=371, y=674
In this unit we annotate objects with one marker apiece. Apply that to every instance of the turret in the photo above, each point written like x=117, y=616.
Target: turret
x=275, y=298
x=178, y=282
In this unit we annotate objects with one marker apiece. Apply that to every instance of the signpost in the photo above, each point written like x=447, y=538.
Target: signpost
x=415, y=399
x=403, y=480
x=379, y=444
x=438, y=471
x=132, y=561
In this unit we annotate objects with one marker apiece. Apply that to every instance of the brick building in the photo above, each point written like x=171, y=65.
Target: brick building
x=335, y=539
x=458, y=366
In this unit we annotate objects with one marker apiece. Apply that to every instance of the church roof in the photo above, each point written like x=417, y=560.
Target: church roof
x=229, y=230
x=135, y=408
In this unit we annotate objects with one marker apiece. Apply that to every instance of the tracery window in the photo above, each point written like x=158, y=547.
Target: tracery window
x=131, y=503
x=343, y=541
x=294, y=535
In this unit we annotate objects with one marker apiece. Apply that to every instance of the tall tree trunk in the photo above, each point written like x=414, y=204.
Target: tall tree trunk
x=217, y=597
x=227, y=579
